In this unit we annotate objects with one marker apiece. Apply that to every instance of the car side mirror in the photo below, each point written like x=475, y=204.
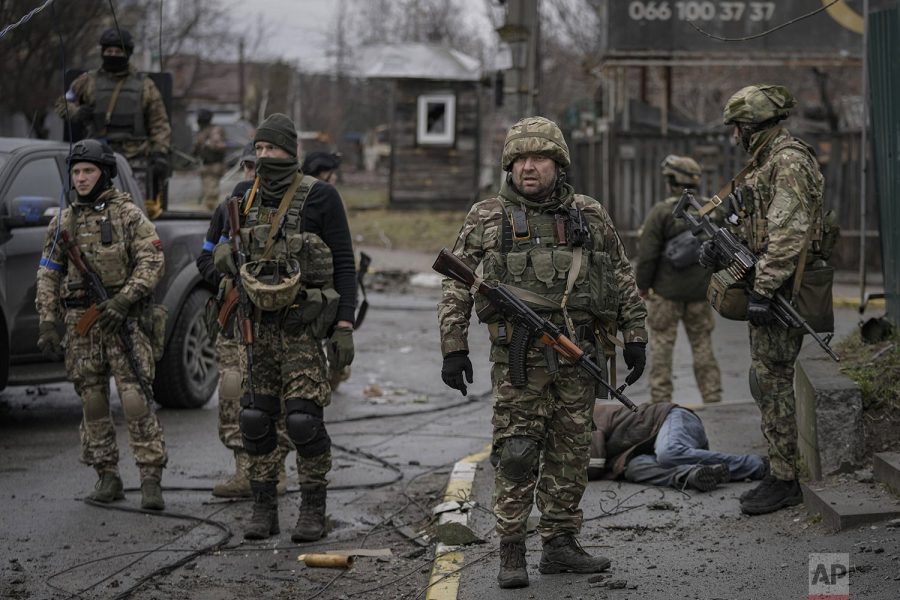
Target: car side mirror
x=30, y=211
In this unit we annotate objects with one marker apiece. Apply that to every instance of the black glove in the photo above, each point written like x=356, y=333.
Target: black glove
x=455, y=364
x=635, y=355
x=49, y=341
x=710, y=257
x=759, y=310
x=159, y=164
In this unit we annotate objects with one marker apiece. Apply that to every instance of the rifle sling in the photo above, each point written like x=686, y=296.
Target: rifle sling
x=113, y=100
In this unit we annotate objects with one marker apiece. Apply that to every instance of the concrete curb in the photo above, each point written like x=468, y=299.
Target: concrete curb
x=444, y=582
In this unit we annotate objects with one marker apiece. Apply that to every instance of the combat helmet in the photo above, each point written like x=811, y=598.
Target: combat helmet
x=534, y=135
x=120, y=38
x=759, y=103
x=95, y=152
x=271, y=284
x=683, y=169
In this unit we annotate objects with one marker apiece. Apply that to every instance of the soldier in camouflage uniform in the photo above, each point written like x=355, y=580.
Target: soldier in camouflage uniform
x=779, y=213
x=121, y=245
x=228, y=355
x=561, y=254
x=301, y=277
x=123, y=107
x=675, y=289
x=209, y=147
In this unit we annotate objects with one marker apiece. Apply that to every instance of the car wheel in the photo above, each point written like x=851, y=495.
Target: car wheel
x=187, y=374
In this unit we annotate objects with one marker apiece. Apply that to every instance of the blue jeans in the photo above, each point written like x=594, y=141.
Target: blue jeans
x=681, y=445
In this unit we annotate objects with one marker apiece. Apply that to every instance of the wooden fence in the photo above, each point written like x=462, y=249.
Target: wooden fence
x=622, y=169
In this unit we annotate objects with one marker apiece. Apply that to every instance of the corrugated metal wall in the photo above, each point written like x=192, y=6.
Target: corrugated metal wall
x=884, y=86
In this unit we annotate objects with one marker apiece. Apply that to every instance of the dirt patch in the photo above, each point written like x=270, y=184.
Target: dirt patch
x=876, y=370
x=427, y=231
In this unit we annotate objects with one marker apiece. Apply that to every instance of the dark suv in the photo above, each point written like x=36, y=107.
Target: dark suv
x=32, y=177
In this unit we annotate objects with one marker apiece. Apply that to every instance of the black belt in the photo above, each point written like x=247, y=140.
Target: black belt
x=83, y=302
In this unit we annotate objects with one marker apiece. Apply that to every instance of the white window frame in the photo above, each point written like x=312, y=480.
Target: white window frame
x=447, y=137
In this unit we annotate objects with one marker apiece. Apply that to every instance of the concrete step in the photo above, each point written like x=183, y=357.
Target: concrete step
x=886, y=469
x=844, y=503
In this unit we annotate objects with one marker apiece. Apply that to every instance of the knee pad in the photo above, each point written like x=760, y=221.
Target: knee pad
x=95, y=404
x=257, y=424
x=134, y=405
x=755, y=390
x=229, y=384
x=518, y=459
x=306, y=428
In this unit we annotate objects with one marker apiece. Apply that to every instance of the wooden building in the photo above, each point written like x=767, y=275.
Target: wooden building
x=435, y=123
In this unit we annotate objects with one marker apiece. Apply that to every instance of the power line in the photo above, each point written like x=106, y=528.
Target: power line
x=24, y=19
x=766, y=32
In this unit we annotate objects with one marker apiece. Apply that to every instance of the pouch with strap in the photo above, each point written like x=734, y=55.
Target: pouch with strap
x=728, y=296
x=683, y=250
x=811, y=293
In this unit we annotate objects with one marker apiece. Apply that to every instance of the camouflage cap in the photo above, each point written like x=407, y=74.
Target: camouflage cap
x=534, y=135
x=684, y=169
x=758, y=104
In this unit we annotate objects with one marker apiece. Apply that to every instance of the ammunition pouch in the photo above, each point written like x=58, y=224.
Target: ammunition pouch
x=814, y=297
x=271, y=284
x=315, y=309
x=153, y=323
x=727, y=296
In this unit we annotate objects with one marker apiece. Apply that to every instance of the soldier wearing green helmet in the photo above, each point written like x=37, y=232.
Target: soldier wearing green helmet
x=673, y=285
x=560, y=252
x=777, y=208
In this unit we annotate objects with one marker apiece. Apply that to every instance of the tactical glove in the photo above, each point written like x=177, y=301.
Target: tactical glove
x=759, y=310
x=635, y=355
x=710, y=257
x=341, y=343
x=455, y=364
x=49, y=341
x=159, y=164
x=223, y=258
x=113, y=313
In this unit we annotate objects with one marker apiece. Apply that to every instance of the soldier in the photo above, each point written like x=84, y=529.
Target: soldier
x=209, y=147
x=228, y=353
x=121, y=245
x=293, y=220
x=561, y=254
x=674, y=286
x=778, y=210
x=122, y=107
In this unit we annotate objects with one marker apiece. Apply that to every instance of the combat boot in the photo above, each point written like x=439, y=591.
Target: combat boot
x=264, y=520
x=513, y=573
x=238, y=485
x=563, y=554
x=108, y=488
x=151, y=494
x=771, y=495
x=752, y=492
x=708, y=477
x=311, y=521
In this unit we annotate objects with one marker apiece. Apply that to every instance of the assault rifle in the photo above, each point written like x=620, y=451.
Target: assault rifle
x=528, y=325
x=237, y=297
x=741, y=262
x=95, y=286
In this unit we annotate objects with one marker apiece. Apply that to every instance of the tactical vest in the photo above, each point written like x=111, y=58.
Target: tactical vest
x=208, y=155
x=126, y=121
x=308, y=249
x=536, y=254
x=100, y=236
x=761, y=196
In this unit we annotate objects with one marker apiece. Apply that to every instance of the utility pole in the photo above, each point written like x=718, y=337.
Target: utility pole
x=241, y=82
x=521, y=32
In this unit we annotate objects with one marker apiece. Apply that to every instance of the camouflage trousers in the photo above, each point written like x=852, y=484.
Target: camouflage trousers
x=288, y=367
x=663, y=316
x=90, y=360
x=229, y=352
x=551, y=418
x=773, y=352
x=210, y=176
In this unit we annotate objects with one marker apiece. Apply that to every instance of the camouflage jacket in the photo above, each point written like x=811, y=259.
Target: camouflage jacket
x=209, y=145
x=480, y=236
x=783, y=206
x=82, y=108
x=654, y=271
x=131, y=264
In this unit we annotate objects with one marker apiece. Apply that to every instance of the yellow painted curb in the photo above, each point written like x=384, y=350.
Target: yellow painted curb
x=444, y=582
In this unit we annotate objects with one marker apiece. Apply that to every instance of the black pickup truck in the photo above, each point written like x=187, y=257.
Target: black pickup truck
x=32, y=178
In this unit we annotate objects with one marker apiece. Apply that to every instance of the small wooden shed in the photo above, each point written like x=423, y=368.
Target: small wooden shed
x=435, y=123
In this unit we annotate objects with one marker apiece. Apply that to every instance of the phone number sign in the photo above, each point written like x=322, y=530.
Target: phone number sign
x=666, y=26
